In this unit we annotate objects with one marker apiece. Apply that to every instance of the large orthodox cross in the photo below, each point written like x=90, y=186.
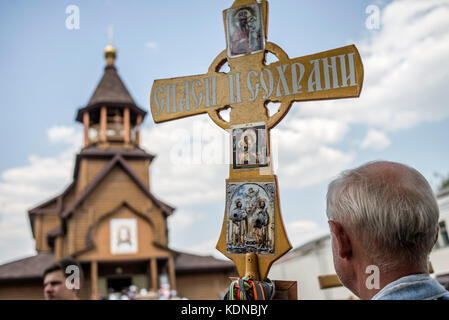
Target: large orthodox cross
x=253, y=234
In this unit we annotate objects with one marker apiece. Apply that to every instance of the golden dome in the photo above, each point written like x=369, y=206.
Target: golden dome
x=110, y=50
x=110, y=53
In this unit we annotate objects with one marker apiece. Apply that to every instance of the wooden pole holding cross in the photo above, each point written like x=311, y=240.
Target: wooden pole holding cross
x=253, y=233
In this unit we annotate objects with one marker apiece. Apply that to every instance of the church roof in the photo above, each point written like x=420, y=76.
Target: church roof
x=27, y=268
x=42, y=208
x=110, y=91
x=186, y=262
x=136, y=152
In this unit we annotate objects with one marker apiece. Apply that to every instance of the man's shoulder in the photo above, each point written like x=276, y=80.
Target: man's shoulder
x=444, y=297
x=413, y=287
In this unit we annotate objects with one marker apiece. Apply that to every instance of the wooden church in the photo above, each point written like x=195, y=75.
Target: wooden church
x=107, y=218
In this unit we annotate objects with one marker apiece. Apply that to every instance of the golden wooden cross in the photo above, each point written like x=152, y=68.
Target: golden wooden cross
x=253, y=234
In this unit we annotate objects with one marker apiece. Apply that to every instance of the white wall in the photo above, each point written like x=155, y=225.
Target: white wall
x=440, y=257
x=305, y=270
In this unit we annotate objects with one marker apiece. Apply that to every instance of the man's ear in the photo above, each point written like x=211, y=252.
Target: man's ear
x=438, y=234
x=342, y=241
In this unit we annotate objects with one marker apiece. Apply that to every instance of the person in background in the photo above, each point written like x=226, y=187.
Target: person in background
x=58, y=285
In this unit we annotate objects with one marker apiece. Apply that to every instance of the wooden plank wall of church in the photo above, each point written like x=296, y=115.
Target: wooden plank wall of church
x=32, y=290
x=43, y=224
x=141, y=168
x=88, y=170
x=68, y=200
x=116, y=187
x=203, y=286
x=85, y=291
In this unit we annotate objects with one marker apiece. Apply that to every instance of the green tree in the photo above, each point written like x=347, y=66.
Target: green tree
x=444, y=184
x=444, y=181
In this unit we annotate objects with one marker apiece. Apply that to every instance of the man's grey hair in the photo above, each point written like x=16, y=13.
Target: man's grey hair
x=392, y=211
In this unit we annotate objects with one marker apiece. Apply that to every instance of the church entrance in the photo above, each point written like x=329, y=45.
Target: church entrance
x=117, y=284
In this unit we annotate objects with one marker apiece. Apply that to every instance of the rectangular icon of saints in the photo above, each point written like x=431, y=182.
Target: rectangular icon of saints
x=249, y=146
x=250, y=209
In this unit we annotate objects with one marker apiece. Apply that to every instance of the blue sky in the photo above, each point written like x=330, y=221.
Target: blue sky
x=49, y=71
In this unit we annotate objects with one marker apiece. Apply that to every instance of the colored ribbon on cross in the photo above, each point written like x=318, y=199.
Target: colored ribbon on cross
x=246, y=289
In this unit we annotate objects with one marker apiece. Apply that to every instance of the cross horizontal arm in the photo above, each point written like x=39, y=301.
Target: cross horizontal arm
x=331, y=74
x=187, y=96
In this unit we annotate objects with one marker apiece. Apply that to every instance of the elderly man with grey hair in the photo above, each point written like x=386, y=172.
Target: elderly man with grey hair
x=383, y=219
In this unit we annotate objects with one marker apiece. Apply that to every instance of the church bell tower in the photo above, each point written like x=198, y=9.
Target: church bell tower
x=111, y=117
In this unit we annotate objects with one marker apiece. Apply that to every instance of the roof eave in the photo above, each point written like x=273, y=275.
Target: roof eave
x=132, y=106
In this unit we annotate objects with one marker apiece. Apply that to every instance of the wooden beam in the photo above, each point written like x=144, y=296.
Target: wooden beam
x=94, y=280
x=126, y=124
x=58, y=248
x=138, y=123
x=38, y=232
x=329, y=281
x=171, y=268
x=86, y=128
x=103, y=123
x=285, y=290
x=153, y=272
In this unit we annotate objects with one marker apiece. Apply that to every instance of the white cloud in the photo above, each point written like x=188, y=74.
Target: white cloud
x=314, y=167
x=303, y=154
x=65, y=134
x=183, y=220
x=206, y=247
x=376, y=140
x=39, y=176
x=406, y=74
x=24, y=187
x=151, y=45
x=191, y=164
x=304, y=134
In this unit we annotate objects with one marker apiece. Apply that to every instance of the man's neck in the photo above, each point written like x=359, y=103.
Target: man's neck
x=366, y=288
